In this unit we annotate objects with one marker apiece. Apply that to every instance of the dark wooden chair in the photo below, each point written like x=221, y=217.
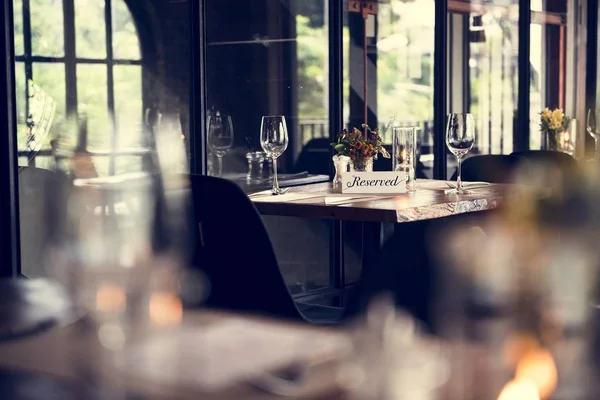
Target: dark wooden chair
x=234, y=250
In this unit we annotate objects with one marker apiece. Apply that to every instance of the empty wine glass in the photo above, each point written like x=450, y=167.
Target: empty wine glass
x=593, y=128
x=274, y=141
x=220, y=137
x=460, y=137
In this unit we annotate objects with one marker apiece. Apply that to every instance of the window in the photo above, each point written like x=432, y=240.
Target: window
x=78, y=64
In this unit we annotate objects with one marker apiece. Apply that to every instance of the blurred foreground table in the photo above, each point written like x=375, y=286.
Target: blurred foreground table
x=42, y=366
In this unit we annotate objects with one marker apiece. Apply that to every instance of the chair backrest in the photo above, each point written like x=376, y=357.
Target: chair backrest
x=494, y=168
x=315, y=157
x=234, y=250
x=559, y=159
x=549, y=168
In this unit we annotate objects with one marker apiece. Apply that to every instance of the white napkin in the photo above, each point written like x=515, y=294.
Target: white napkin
x=449, y=186
x=282, y=198
x=352, y=198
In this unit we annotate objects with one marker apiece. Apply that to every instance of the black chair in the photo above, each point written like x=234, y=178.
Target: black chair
x=234, y=250
x=493, y=168
x=563, y=161
x=315, y=157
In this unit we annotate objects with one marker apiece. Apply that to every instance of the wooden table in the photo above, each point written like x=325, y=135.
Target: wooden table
x=40, y=366
x=421, y=205
x=44, y=364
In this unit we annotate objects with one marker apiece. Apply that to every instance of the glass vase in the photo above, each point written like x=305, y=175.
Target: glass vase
x=550, y=140
x=404, y=150
x=362, y=165
x=341, y=164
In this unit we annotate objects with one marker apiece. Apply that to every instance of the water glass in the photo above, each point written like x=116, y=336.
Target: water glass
x=404, y=149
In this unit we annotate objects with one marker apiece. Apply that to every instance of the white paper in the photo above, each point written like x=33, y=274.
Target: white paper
x=282, y=198
x=374, y=182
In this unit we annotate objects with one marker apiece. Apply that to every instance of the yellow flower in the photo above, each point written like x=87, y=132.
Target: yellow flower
x=553, y=119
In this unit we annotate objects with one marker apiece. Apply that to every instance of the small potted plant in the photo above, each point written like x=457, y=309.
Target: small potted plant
x=554, y=125
x=358, y=149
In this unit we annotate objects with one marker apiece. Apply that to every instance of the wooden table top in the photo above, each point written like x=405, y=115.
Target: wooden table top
x=423, y=204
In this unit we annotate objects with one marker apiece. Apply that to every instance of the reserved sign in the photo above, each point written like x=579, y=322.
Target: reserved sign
x=374, y=182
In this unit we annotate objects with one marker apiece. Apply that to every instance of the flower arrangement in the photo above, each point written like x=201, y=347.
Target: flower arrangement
x=554, y=120
x=552, y=123
x=359, y=146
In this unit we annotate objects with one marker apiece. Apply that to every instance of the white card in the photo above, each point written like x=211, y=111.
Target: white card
x=374, y=182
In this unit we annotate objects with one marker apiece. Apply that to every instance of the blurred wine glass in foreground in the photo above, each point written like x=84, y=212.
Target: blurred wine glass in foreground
x=123, y=255
x=391, y=358
x=593, y=128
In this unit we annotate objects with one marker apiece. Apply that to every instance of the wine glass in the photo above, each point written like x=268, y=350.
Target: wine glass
x=460, y=137
x=220, y=137
x=274, y=141
x=593, y=128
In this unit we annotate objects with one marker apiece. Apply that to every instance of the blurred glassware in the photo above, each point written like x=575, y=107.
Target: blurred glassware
x=126, y=247
x=593, y=128
x=274, y=141
x=460, y=138
x=220, y=137
x=404, y=150
x=513, y=291
x=391, y=358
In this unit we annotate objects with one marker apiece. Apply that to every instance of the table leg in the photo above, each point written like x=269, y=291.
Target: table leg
x=337, y=273
x=371, y=243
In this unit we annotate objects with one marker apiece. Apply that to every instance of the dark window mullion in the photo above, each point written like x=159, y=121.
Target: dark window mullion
x=110, y=81
x=61, y=60
x=70, y=57
x=27, y=49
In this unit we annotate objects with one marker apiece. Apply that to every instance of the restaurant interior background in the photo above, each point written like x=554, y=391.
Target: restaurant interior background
x=106, y=69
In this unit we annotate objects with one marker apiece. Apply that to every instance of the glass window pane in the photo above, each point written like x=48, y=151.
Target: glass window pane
x=270, y=57
x=18, y=22
x=50, y=78
x=47, y=28
x=126, y=44
x=553, y=59
x=124, y=165
x=404, y=43
x=21, y=96
x=273, y=63
x=483, y=73
x=93, y=103
x=90, y=29
x=128, y=104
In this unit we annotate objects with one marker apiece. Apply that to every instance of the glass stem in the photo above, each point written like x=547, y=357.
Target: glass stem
x=220, y=166
x=459, y=187
x=275, y=181
x=597, y=152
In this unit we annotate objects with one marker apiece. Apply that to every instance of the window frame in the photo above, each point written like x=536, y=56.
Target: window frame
x=70, y=62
